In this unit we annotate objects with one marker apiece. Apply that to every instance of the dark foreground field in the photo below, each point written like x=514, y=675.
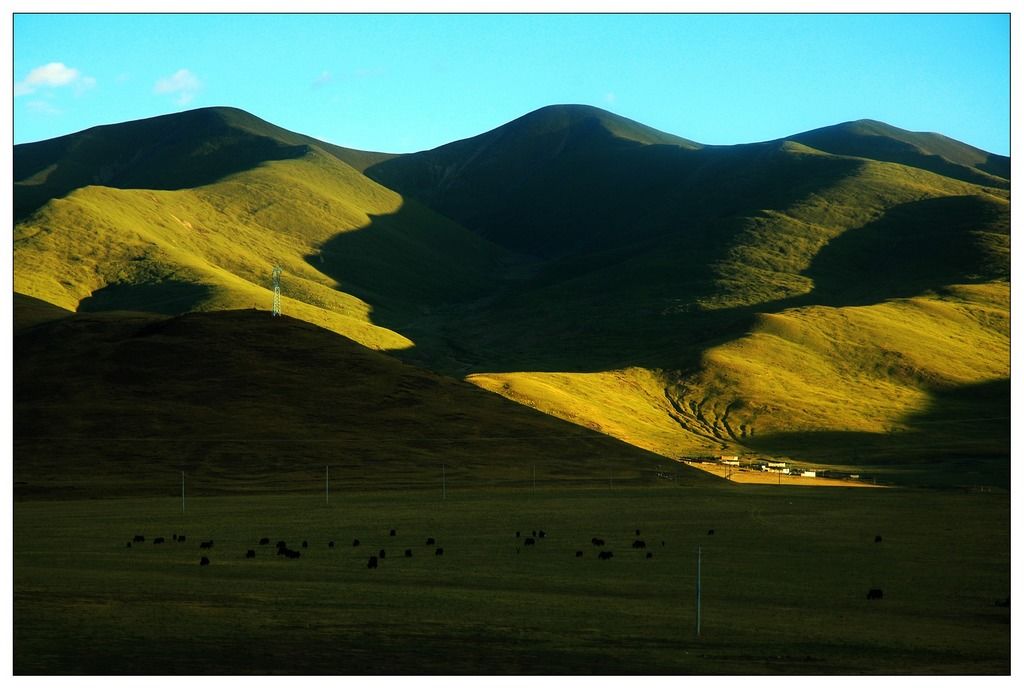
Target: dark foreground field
x=785, y=578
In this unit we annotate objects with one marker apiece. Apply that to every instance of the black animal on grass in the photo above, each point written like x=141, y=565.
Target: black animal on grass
x=597, y=541
x=372, y=562
x=391, y=533
x=875, y=594
x=517, y=534
x=638, y=532
x=181, y=538
x=264, y=541
x=250, y=554
x=138, y=539
x=289, y=553
x=579, y=553
x=331, y=544
x=711, y=532
x=355, y=542
x=128, y=544
x=281, y=544
x=878, y=539
x=174, y=538
x=541, y=534
x=206, y=545
x=535, y=533
x=605, y=555
x=640, y=545
x=305, y=544
x=203, y=561
x=408, y=552
x=431, y=541
x=439, y=551
x=158, y=540
x=649, y=554
x=529, y=541
x=381, y=554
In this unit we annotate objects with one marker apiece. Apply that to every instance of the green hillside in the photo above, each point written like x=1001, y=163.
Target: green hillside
x=838, y=297
x=206, y=237
x=926, y=150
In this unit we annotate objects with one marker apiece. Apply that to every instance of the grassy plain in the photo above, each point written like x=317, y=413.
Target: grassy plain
x=784, y=580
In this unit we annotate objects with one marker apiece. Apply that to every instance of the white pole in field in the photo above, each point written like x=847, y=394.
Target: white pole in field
x=444, y=487
x=698, y=591
x=183, y=492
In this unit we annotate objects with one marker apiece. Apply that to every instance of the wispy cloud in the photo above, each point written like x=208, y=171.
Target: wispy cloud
x=610, y=97
x=183, y=84
x=53, y=75
x=322, y=80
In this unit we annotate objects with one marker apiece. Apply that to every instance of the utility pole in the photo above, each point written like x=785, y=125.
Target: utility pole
x=698, y=591
x=275, y=276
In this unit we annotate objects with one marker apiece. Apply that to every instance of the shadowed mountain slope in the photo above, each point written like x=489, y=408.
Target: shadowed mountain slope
x=120, y=402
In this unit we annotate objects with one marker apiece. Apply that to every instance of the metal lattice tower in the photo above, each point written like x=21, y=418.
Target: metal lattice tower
x=276, y=276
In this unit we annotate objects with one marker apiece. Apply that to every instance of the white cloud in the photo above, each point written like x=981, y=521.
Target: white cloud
x=52, y=75
x=610, y=97
x=183, y=83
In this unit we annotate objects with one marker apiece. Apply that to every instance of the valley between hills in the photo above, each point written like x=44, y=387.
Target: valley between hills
x=589, y=289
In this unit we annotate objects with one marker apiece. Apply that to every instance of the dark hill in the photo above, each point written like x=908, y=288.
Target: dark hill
x=121, y=402
x=529, y=185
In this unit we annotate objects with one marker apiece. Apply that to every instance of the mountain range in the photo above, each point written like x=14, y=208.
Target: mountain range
x=839, y=297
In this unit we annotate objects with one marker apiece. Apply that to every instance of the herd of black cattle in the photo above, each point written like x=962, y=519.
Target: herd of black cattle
x=373, y=561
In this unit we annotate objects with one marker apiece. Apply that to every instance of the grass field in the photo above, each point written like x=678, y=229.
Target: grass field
x=785, y=577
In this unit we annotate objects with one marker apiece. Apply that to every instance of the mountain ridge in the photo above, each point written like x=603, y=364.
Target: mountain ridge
x=580, y=263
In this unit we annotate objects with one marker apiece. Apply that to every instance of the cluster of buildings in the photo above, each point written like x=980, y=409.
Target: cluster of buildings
x=770, y=466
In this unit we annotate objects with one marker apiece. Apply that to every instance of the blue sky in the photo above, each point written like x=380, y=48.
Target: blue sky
x=402, y=83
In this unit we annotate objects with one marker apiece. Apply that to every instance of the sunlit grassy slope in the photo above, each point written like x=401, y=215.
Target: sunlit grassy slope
x=213, y=247
x=748, y=293
x=840, y=296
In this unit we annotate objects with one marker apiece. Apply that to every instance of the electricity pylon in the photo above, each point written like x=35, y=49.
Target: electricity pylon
x=276, y=276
